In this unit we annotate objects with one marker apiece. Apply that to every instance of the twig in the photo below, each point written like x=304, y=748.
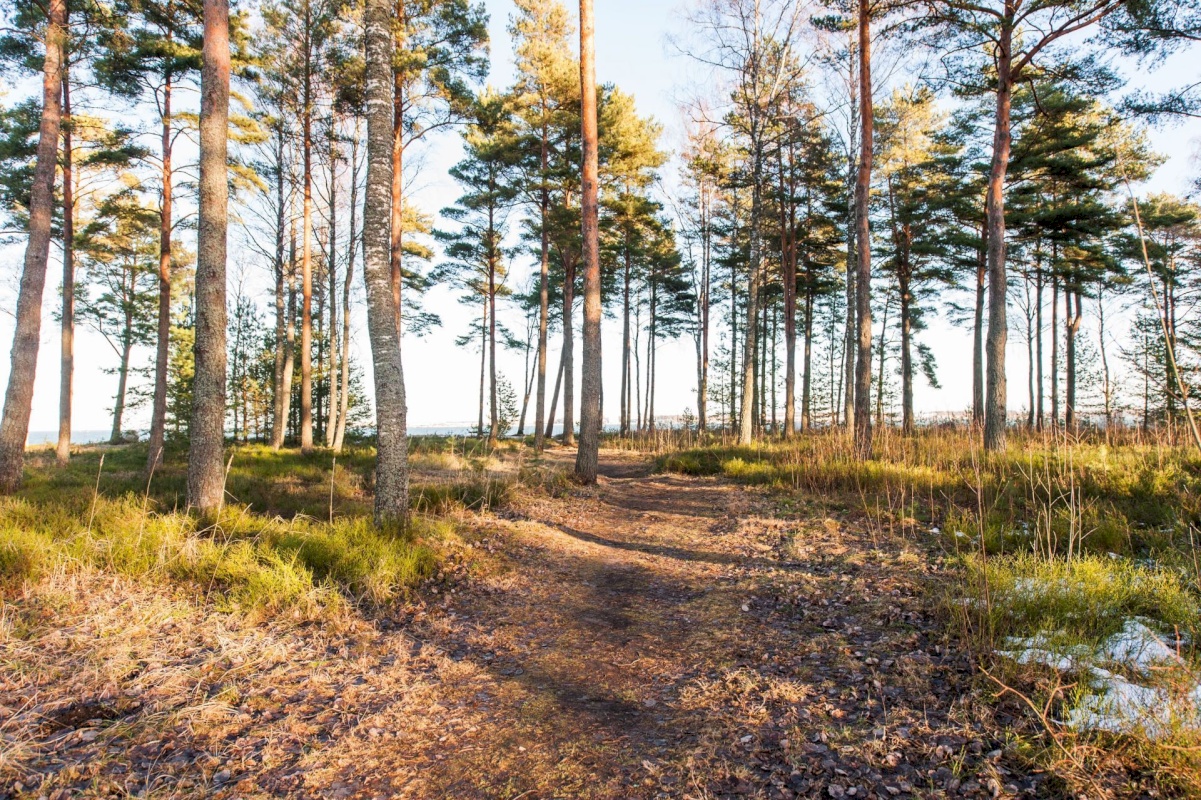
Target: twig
x=95, y=494
x=332, y=473
x=1042, y=714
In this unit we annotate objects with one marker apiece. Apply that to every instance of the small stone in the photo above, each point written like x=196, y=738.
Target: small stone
x=88, y=735
x=836, y=791
x=222, y=777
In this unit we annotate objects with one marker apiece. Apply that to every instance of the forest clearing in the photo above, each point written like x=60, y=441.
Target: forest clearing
x=702, y=623
x=698, y=399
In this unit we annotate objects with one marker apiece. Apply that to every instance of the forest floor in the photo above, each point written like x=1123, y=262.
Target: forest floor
x=654, y=636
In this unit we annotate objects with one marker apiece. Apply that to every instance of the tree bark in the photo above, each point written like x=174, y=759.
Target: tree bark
x=747, y=413
x=549, y=430
x=850, y=336
x=588, y=455
x=1072, y=322
x=1054, y=350
x=907, y=422
x=282, y=388
x=1038, y=343
x=863, y=281
x=331, y=423
x=807, y=381
x=789, y=259
x=18, y=399
x=162, y=352
x=624, y=426
x=67, y=358
x=543, y=291
x=306, y=249
x=115, y=436
x=206, y=477
x=352, y=248
x=493, y=258
x=995, y=402
x=391, y=466
x=978, y=331
x=702, y=394
x=568, y=355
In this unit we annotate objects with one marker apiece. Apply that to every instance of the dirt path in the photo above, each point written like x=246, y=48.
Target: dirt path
x=668, y=636
x=654, y=636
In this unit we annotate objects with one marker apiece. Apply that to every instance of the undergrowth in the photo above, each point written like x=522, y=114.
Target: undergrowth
x=295, y=533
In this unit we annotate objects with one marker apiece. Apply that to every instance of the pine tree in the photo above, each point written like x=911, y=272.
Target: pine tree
x=476, y=252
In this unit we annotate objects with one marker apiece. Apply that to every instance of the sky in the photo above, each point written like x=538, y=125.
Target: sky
x=634, y=52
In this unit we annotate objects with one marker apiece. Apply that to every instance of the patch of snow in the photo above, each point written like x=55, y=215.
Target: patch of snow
x=1119, y=706
x=1138, y=647
x=1114, y=703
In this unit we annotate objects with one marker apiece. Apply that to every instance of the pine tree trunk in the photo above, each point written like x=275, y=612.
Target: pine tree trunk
x=702, y=401
x=863, y=256
x=568, y=352
x=158, y=415
x=549, y=430
x=67, y=349
x=306, y=256
x=529, y=376
x=978, y=331
x=396, y=241
x=995, y=401
x=1029, y=358
x=850, y=335
x=882, y=360
x=479, y=425
x=282, y=388
x=1054, y=351
x=807, y=381
x=587, y=457
x=907, y=422
x=747, y=416
x=543, y=293
x=18, y=399
x=1073, y=327
x=115, y=436
x=651, y=336
x=331, y=423
x=790, y=278
x=352, y=248
x=391, y=466
x=624, y=426
x=494, y=410
x=1038, y=347
x=206, y=477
